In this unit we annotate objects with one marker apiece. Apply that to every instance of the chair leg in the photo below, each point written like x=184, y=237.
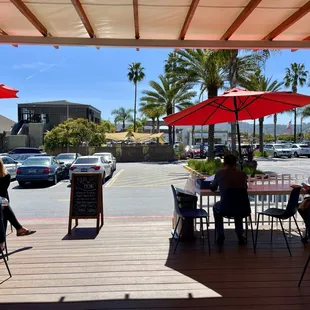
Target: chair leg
x=176, y=245
x=201, y=230
x=11, y=228
x=6, y=250
x=246, y=230
x=304, y=271
x=252, y=233
x=255, y=243
x=288, y=247
x=208, y=235
x=6, y=263
x=175, y=229
x=298, y=228
x=271, y=233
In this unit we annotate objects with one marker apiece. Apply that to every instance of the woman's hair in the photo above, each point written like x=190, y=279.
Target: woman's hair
x=3, y=170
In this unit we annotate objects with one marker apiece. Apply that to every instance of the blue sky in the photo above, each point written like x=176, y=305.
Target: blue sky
x=96, y=77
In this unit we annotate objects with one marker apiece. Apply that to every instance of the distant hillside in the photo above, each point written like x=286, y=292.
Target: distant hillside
x=244, y=126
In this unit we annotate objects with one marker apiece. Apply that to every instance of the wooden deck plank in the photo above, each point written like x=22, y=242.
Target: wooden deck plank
x=130, y=265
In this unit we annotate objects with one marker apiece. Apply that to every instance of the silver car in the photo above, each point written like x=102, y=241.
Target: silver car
x=278, y=150
x=111, y=159
x=91, y=164
x=11, y=165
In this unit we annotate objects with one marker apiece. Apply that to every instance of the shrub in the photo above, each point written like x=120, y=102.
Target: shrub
x=208, y=167
x=259, y=154
x=252, y=171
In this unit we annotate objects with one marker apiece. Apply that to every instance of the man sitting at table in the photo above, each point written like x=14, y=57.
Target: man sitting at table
x=228, y=179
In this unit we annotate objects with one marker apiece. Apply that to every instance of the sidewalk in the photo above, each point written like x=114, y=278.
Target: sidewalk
x=129, y=265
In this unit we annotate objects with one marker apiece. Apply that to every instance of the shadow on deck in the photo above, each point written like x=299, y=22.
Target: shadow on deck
x=130, y=265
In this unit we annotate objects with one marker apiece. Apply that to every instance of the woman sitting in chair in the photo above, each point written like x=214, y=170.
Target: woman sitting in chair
x=8, y=214
x=304, y=211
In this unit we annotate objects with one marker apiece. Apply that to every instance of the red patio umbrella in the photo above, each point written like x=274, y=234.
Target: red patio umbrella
x=7, y=92
x=235, y=105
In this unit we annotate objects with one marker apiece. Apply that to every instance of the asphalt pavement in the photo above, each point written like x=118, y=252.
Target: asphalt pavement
x=136, y=189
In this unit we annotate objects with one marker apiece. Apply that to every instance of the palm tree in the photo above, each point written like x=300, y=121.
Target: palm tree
x=259, y=82
x=239, y=66
x=203, y=68
x=135, y=75
x=122, y=116
x=169, y=96
x=153, y=112
x=295, y=75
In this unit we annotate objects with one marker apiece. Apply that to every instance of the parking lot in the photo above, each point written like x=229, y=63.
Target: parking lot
x=136, y=189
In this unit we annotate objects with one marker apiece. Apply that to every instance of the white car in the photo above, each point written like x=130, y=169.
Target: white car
x=300, y=150
x=11, y=165
x=278, y=150
x=91, y=164
x=111, y=159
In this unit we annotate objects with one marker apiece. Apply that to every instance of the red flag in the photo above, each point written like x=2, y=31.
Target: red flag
x=288, y=127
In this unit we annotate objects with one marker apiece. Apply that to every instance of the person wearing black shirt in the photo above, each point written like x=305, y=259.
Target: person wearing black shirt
x=8, y=214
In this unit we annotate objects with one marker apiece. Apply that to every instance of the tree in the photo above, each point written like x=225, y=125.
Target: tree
x=259, y=82
x=168, y=95
x=108, y=126
x=239, y=66
x=153, y=112
x=75, y=132
x=204, y=68
x=295, y=75
x=135, y=75
x=122, y=116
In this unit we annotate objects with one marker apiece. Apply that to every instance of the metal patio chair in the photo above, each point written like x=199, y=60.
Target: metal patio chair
x=282, y=214
x=189, y=214
x=5, y=257
x=304, y=271
x=236, y=203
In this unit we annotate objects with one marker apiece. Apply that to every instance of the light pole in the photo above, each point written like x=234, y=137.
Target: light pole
x=67, y=119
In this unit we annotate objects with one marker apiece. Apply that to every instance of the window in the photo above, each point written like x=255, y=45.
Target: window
x=7, y=160
x=86, y=160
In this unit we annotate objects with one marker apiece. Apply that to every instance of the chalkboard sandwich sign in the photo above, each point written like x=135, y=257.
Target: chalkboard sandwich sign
x=86, y=200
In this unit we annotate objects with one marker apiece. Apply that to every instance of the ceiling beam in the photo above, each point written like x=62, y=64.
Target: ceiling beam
x=79, y=9
x=300, y=13
x=3, y=33
x=305, y=39
x=20, y=5
x=148, y=43
x=251, y=6
x=136, y=18
x=188, y=19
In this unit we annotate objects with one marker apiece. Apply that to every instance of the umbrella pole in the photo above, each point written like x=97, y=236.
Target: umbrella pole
x=238, y=133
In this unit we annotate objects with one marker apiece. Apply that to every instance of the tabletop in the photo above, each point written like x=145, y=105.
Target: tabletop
x=255, y=189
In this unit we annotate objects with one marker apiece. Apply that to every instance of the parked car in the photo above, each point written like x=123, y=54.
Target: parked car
x=278, y=150
x=111, y=159
x=10, y=164
x=220, y=150
x=25, y=150
x=67, y=159
x=40, y=169
x=20, y=158
x=194, y=151
x=300, y=150
x=91, y=164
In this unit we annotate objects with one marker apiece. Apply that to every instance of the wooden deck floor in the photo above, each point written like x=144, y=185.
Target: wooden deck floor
x=130, y=265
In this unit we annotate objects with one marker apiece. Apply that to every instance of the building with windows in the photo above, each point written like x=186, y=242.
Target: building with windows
x=35, y=118
x=53, y=113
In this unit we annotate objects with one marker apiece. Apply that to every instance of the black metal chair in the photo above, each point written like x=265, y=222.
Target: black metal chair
x=235, y=203
x=189, y=214
x=3, y=256
x=304, y=271
x=282, y=214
